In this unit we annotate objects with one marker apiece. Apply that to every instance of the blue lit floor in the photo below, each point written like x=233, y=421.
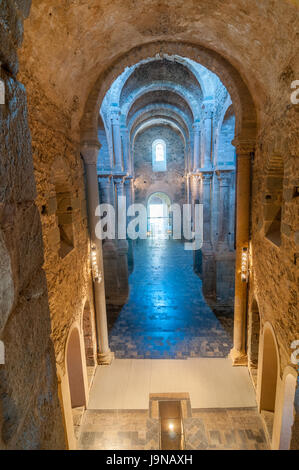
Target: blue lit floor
x=166, y=315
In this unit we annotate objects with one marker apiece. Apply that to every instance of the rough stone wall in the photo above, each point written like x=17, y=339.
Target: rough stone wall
x=57, y=161
x=275, y=268
x=30, y=416
x=172, y=181
x=257, y=37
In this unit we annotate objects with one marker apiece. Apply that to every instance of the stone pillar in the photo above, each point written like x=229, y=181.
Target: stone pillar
x=110, y=258
x=115, y=115
x=89, y=151
x=231, y=228
x=238, y=353
x=206, y=200
x=129, y=191
x=215, y=209
x=126, y=150
x=208, y=261
x=105, y=188
x=195, y=196
x=122, y=250
x=196, y=145
x=207, y=141
x=224, y=178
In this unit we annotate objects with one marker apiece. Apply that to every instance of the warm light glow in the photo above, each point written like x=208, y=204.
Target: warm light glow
x=171, y=427
x=244, y=265
x=97, y=277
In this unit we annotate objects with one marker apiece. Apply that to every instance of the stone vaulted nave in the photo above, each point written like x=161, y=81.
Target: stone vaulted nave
x=137, y=342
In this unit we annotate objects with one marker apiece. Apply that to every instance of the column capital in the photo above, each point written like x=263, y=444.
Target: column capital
x=243, y=146
x=196, y=126
x=128, y=179
x=206, y=176
x=208, y=109
x=104, y=179
x=89, y=151
x=115, y=114
x=224, y=176
x=196, y=176
x=119, y=179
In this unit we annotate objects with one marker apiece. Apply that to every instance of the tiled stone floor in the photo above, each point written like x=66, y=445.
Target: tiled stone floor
x=206, y=429
x=166, y=315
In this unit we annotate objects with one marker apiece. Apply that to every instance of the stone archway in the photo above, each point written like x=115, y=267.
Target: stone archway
x=269, y=371
x=74, y=363
x=288, y=411
x=158, y=214
x=245, y=140
x=246, y=119
x=268, y=380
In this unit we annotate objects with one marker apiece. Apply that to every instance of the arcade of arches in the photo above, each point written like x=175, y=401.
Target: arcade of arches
x=167, y=104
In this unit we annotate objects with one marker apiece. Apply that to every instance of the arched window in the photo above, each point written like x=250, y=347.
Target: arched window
x=159, y=155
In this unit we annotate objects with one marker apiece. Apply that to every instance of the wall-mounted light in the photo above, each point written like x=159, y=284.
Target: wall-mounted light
x=96, y=274
x=244, y=265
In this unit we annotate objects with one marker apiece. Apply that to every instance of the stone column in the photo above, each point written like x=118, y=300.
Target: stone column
x=224, y=178
x=105, y=188
x=206, y=178
x=215, y=209
x=129, y=192
x=196, y=145
x=110, y=258
x=89, y=151
x=122, y=250
x=126, y=150
x=231, y=228
x=208, y=120
x=115, y=115
x=208, y=261
x=244, y=150
x=195, y=196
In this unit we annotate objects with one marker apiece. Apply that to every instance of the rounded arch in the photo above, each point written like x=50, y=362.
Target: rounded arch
x=158, y=121
x=270, y=369
x=155, y=196
x=74, y=357
x=154, y=110
x=289, y=385
x=201, y=74
x=246, y=118
x=163, y=86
